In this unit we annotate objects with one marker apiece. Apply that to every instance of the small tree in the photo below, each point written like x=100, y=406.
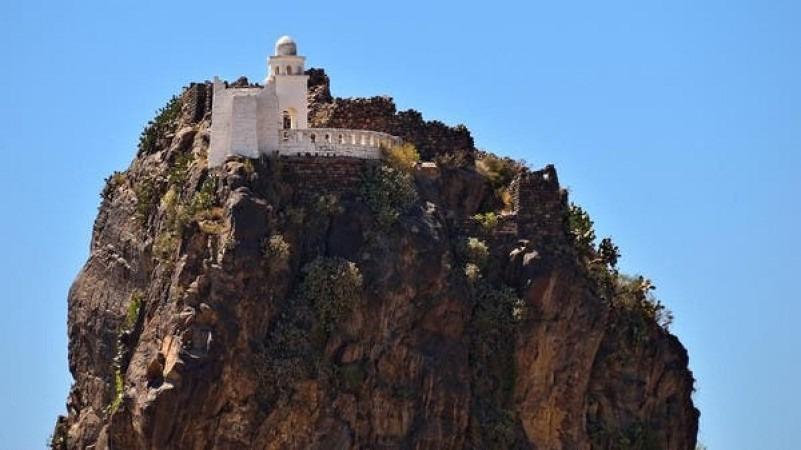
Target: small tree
x=580, y=226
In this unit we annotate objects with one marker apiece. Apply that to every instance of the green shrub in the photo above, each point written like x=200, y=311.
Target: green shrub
x=472, y=272
x=497, y=309
x=164, y=245
x=401, y=157
x=287, y=355
x=205, y=198
x=608, y=253
x=112, y=182
x=476, y=251
x=179, y=171
x=493, y=331
x=328, y=205
x=132, y=313
x=581, y=229
x=635, y=296
x=275, y=247
x=488, y=221
x=498, y=171
x=146, y=196
x=119, y=386
x=389, y=193
x=164, y=123
x=332, y=286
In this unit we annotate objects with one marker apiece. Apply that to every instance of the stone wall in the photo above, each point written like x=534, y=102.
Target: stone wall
x=196, y=101
x=432, y=138
x=541, y=207
x=312, y=177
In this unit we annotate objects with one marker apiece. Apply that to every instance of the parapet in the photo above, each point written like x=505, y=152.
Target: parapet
x=334, y=142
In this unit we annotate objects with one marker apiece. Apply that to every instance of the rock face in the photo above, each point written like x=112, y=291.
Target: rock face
x=294, y=304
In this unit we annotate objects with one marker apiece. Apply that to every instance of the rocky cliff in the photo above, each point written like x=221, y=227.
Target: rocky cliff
x=339, y=304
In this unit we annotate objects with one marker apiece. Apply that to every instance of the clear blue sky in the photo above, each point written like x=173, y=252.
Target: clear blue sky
x=677, y=124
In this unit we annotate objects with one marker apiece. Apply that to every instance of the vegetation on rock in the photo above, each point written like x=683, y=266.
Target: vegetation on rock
x=497, y=312
x=353, y=319
x=402, y=157
x=163, y=124
x=389, y=193
x=332, y=286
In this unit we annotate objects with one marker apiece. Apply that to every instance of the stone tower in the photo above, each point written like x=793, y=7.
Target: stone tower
x=286, y=71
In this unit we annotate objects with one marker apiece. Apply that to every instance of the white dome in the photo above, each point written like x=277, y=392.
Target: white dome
x=285, y=46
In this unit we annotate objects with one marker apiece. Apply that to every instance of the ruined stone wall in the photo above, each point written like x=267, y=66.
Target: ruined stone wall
x=432, y=138
x=315, y=176
x=196, y=100
x=541, y=207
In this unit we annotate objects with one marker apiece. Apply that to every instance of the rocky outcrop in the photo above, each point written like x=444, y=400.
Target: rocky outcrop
x=246, y=307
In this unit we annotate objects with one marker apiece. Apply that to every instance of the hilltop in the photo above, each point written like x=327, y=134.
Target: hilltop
x=441, y=298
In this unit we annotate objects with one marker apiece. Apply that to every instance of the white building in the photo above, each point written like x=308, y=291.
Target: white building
x=273, y=118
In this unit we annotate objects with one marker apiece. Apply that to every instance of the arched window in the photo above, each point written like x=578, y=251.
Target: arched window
x=289, y=118
x=341, y=139
x=313, y=138
x=289, y=70
x=328, y=138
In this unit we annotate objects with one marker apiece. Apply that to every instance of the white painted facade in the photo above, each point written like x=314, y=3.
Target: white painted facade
x=270, y=119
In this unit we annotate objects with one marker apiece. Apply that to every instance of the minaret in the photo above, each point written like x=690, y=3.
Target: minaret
x=286, y=71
